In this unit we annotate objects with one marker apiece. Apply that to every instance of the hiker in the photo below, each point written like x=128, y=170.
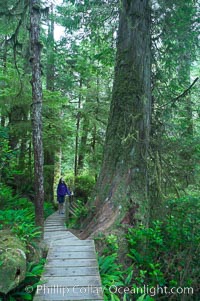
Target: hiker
x=62, y=190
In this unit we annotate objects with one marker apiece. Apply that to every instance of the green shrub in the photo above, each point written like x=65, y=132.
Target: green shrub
x=48, y=209
x=111, y=276
x=7, y=156
x=5, y=195
x=109, y=243
x=80, y=211
x=166, y=254
x=84, y=185
x=18, y=216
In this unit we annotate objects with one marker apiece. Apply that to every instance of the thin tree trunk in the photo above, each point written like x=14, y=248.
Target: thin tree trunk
x=35, y=16
x=49, y=152
x=77, y=133
x=30, y=165
x=83, y=143
x=3, y=118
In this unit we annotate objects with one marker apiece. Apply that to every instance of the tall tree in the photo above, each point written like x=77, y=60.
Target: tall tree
x=35, y=16
x=123, y=179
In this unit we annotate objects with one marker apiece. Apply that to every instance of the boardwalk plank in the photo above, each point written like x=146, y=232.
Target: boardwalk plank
x=72, y=262
x=73, y=281
x=59, y=223
x=71, y=271
x=54, y=241
x=59, y=235
x=73, y=242
x=74, y=255
x=53, y=230
x=73, y=248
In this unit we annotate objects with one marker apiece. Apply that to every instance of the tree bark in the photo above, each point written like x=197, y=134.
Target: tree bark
x=123, y=180
x=35, y=16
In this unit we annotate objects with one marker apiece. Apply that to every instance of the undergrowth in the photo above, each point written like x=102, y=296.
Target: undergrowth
x=17, y=216
x=165, y=257
x=80, y=212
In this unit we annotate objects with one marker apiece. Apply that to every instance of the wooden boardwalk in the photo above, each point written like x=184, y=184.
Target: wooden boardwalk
x=71, y=271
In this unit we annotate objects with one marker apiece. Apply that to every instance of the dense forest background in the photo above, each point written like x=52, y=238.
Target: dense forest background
x=105, y=94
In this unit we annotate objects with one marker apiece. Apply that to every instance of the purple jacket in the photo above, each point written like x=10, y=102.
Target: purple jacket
x=62, y=190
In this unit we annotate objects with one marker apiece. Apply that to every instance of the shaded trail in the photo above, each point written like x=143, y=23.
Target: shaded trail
x=71, y=271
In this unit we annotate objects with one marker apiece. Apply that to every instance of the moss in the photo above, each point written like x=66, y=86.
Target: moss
x=13, y=261
x=7, y=239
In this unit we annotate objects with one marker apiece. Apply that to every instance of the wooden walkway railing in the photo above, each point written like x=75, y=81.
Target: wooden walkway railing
x=71, y=271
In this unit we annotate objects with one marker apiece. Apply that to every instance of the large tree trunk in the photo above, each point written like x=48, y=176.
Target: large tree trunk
x=123, y=181
x=35, y=15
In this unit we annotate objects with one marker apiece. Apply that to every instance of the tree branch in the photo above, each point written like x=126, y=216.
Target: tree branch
x=181, y=95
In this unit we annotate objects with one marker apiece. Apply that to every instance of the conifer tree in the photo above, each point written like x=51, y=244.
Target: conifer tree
x=35, y=16
x=123, y=179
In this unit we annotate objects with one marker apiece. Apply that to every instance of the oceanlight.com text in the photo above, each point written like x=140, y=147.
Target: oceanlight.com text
x=151, y=291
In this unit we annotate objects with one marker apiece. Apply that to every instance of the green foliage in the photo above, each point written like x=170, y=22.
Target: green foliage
x=166, y=254
x=20, y=219
x=114, y=279
x=175, y=131
x=5, y=195
x=80, y=211
x=7, y=156
x=168, y=250
x=109, y=242
x=55, y=130
x=48, y=209
x=111, y=276
x=84, y=185
x=18, y=216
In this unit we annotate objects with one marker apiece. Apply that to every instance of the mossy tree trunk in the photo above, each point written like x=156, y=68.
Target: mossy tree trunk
x=123, y=180
x=35, y=16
